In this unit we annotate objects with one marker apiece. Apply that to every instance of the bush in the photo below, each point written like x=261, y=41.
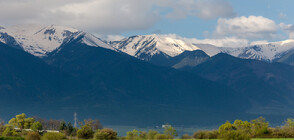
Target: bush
x=151, y=134
x=37, y=126
x=33, y=136
x=235, y=135
x=186, y=136
x=86, y=132
x=133, y=134
x=10, y=132
x=53, y=136
x=205, y=134
x=105, y=133
x=162, y=136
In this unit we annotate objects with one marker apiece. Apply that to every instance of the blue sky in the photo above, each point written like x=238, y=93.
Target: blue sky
x=249, y=20
x=280, y=11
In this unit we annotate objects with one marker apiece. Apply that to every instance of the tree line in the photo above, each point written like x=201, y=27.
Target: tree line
x=22, y=127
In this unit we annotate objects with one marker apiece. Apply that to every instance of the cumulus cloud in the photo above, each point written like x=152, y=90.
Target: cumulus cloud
x=289, y=29
x=108, y=16
x=252, y=27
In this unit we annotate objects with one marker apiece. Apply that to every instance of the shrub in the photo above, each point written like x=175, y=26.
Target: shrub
x=105, y=133
x=133, y=134
x=229, y=131
x=235, y=135
x=33, y=136
x=86, y=132
x=37, y=126
x=10, y=132
x=142, y=135
x=186, y=136
x=151, y=134
x=205, y=134
x=162, y=136
x=53, y=136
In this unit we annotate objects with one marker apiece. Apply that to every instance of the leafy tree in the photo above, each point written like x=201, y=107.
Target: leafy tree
x=2, y=127
x=21, y=121
x=170, y=131
x=290, y=123
x=70, y=129
x=105, y=133
x=229, y=131
x=62, y=126
x=151, y=134
x=86, y=132
x=37, y=126
x=142, y=134
x=133, y=134
x=95, y=124
x=9, y=132
x=259, y=127
x=33, y=136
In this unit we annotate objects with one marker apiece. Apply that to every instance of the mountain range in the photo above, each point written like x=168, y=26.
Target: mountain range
x=54, y=71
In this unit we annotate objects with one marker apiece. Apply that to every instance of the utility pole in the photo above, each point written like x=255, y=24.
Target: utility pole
x=76, y=120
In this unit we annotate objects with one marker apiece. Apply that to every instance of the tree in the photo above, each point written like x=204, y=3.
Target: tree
x=21, y=121
x=37, y=126
x=33, y=136
x=86, y=132
x=151, y=134
x=170, y=131
x=229, y=131
x=95, y=124
x=9, y=132
x=133, y=134
x=69, y=129
x=62, y=126
x=259, y=127
x=290, y=123
x=142, y=135
x=105, y=133
x=2, y=127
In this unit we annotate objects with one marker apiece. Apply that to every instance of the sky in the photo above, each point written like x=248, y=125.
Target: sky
x=241, y=21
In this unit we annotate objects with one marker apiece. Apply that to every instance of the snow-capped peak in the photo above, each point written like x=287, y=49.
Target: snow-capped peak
x=40, y=40
x=146, y=46
x=37, y=39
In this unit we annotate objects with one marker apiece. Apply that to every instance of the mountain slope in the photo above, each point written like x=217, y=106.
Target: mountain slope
x=268, y=85
x=138, y=91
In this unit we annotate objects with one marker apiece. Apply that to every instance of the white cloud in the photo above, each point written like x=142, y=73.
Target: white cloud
x=204, y=9
x=108, y=16
x=223, y=42
x=289, y=29
x=114, y=37
x=252, y=27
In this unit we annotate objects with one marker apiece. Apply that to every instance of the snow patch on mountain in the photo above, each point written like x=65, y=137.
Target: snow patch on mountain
x=92, y=40
x=267, y=51
x=150, y=45
x=37, y=39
